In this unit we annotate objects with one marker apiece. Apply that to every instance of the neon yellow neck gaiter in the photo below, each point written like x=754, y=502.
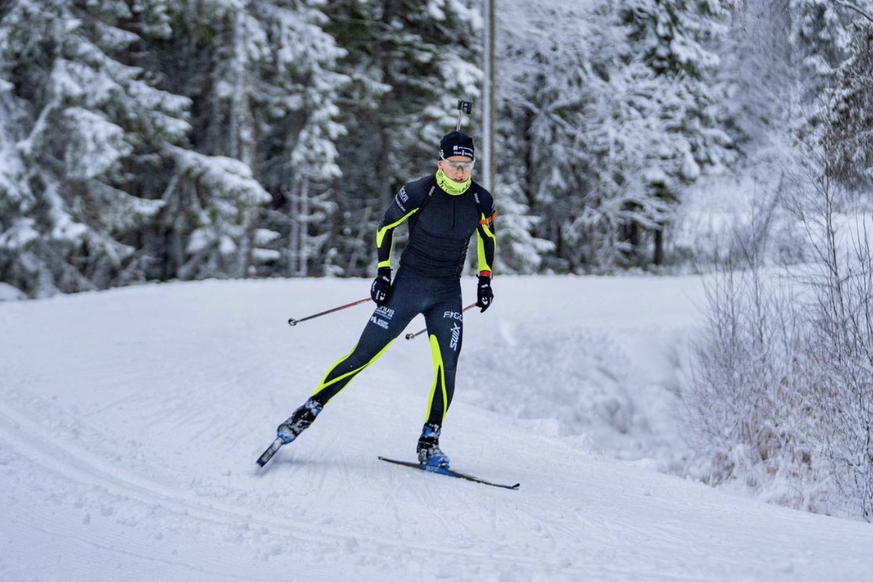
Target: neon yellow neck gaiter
x=450, y=186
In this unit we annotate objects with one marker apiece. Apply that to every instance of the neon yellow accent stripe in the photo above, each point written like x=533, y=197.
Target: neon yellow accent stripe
x=439, y=378
x=323, y=384
x=480, y=245
x=385, y=263
x=380, y=233
x=487, y=229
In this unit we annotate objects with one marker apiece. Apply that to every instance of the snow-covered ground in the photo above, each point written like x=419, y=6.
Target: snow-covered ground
x=130, y=421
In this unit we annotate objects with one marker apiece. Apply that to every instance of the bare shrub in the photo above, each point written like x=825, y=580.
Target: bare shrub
x=780, y=396
x=835, y=374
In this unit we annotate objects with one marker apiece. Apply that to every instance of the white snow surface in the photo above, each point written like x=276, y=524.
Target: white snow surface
x=130, y=421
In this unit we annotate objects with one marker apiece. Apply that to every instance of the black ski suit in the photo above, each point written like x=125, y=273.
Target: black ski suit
x=427, y=282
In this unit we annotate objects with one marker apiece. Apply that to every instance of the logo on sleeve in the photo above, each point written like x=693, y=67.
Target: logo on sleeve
x=401, y=198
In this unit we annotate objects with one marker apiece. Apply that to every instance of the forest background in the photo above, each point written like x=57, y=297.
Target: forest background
x=151, y=140
x=157, y=140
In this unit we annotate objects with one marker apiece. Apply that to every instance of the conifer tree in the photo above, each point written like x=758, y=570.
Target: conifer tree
x=80, y=127
x=546, y=89
x=612, y=116
x=848, y=110
x=409, y=62
x=821, y=39
x=296, y=111
x=673, y=39
x=102, y=140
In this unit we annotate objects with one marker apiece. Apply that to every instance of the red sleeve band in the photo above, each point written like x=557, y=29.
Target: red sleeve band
x=490, y=219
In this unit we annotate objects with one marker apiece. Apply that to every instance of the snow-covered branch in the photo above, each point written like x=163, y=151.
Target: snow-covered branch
x=855, y=8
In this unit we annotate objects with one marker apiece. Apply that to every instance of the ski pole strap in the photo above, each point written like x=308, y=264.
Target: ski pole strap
x=292, y=322
x=411, y=336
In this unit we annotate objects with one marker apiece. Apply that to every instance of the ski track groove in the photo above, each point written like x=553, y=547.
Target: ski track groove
x=143, y=556
x=86, y=469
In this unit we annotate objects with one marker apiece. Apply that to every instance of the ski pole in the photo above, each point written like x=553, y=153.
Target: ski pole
x=411, y=335
x=292, y=322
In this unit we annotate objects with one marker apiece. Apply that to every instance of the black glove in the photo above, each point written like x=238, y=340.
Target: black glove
x=484, y=294
x=380, y=290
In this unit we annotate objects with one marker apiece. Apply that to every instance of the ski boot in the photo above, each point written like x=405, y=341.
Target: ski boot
x=429, y=454
x=299, y=421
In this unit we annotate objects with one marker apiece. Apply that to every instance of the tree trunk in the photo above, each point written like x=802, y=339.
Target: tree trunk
x=658, y=258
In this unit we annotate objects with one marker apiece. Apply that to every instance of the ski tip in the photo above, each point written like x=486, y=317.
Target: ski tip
x=271, y=450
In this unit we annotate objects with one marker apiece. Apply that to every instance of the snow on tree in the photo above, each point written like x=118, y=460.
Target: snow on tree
x=297, y=115
x=263, y=84
x=759, y=70
x=780, y=394
x=409, y=65
x=674, y=38
x=206, y=52
x=544, y=92
x=215, y=199
x=821, y=39
x=848, y=110
x=612, y=118
x=82, y=124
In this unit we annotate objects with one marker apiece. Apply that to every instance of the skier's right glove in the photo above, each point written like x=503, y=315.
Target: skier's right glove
x=380, y=290
x=484, y=294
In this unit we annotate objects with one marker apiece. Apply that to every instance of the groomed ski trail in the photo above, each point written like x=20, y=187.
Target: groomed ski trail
x=129, y=422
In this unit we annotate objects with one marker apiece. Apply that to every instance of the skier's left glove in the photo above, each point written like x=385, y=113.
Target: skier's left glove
x=484, y=294
x=380, y=290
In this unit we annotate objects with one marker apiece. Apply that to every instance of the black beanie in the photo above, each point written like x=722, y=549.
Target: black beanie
x=456, y=143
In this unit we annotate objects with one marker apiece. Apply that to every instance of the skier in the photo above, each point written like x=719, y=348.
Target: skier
x=443, y=211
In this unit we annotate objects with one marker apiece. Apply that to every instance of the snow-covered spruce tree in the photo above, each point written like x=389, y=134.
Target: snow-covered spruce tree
x=848, y=115
x=294, y=104
x=557, y=60
x=611, y=115
x=821, y=37
x=211, y=52
x=759, y=69
x=80, y=126
x=538, y=172
x=208, y=216
x=629, y=145
x=102, y=138
x=410, y=62
x=521, y=251
x=762, y=78
x=674, y=40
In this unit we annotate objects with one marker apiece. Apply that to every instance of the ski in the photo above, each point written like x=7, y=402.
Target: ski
x=449, y=473
x=271, y=450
